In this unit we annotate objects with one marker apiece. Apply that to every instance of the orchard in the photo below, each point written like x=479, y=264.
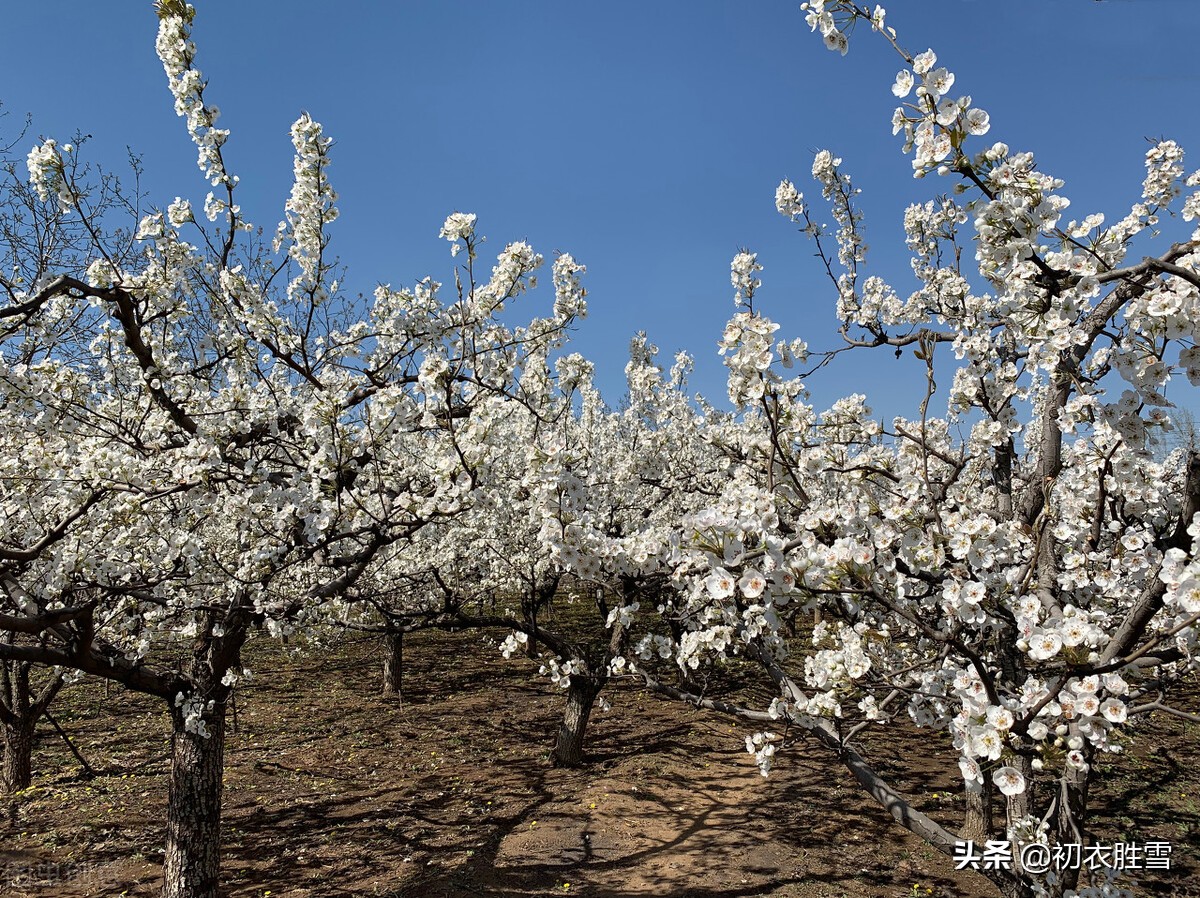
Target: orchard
x=217, y=460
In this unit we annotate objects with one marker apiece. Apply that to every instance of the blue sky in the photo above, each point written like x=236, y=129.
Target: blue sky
x=645, y=138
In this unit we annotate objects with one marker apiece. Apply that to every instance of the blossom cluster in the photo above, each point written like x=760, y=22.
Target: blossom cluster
x=177, y=53
x=310, y=207
x=47, y=173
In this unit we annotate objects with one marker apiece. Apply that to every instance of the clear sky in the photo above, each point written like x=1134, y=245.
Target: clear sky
x=645, y=138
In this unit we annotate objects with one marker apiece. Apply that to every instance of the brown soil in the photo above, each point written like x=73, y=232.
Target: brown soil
x=333, y=791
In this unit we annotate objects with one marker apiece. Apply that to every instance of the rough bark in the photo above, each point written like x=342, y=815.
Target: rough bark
x=393, y=665
x=20, y=708
x=977, y=821
x=581, y=696
x=1018, y=806
x=18, y=754
x=192, y=862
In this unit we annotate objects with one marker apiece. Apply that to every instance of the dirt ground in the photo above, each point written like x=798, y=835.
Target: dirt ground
x=333, y=791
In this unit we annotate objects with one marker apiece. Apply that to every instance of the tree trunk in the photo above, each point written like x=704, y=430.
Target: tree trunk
x=20, y=707
x=568, y=748
x=1071, y=819
x=977, y=822
x=18, y=753
x=191, y=865
x=393, y=665
x=532, y=652
x=1017, y=806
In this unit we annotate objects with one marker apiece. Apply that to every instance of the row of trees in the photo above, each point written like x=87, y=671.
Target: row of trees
x=205, y=439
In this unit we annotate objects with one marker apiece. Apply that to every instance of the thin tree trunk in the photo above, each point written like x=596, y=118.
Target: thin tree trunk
x=1070, y=821
x=532, y=652
x=581, y=696
x=393, y=665
x=977, y=821
x=192, y=862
